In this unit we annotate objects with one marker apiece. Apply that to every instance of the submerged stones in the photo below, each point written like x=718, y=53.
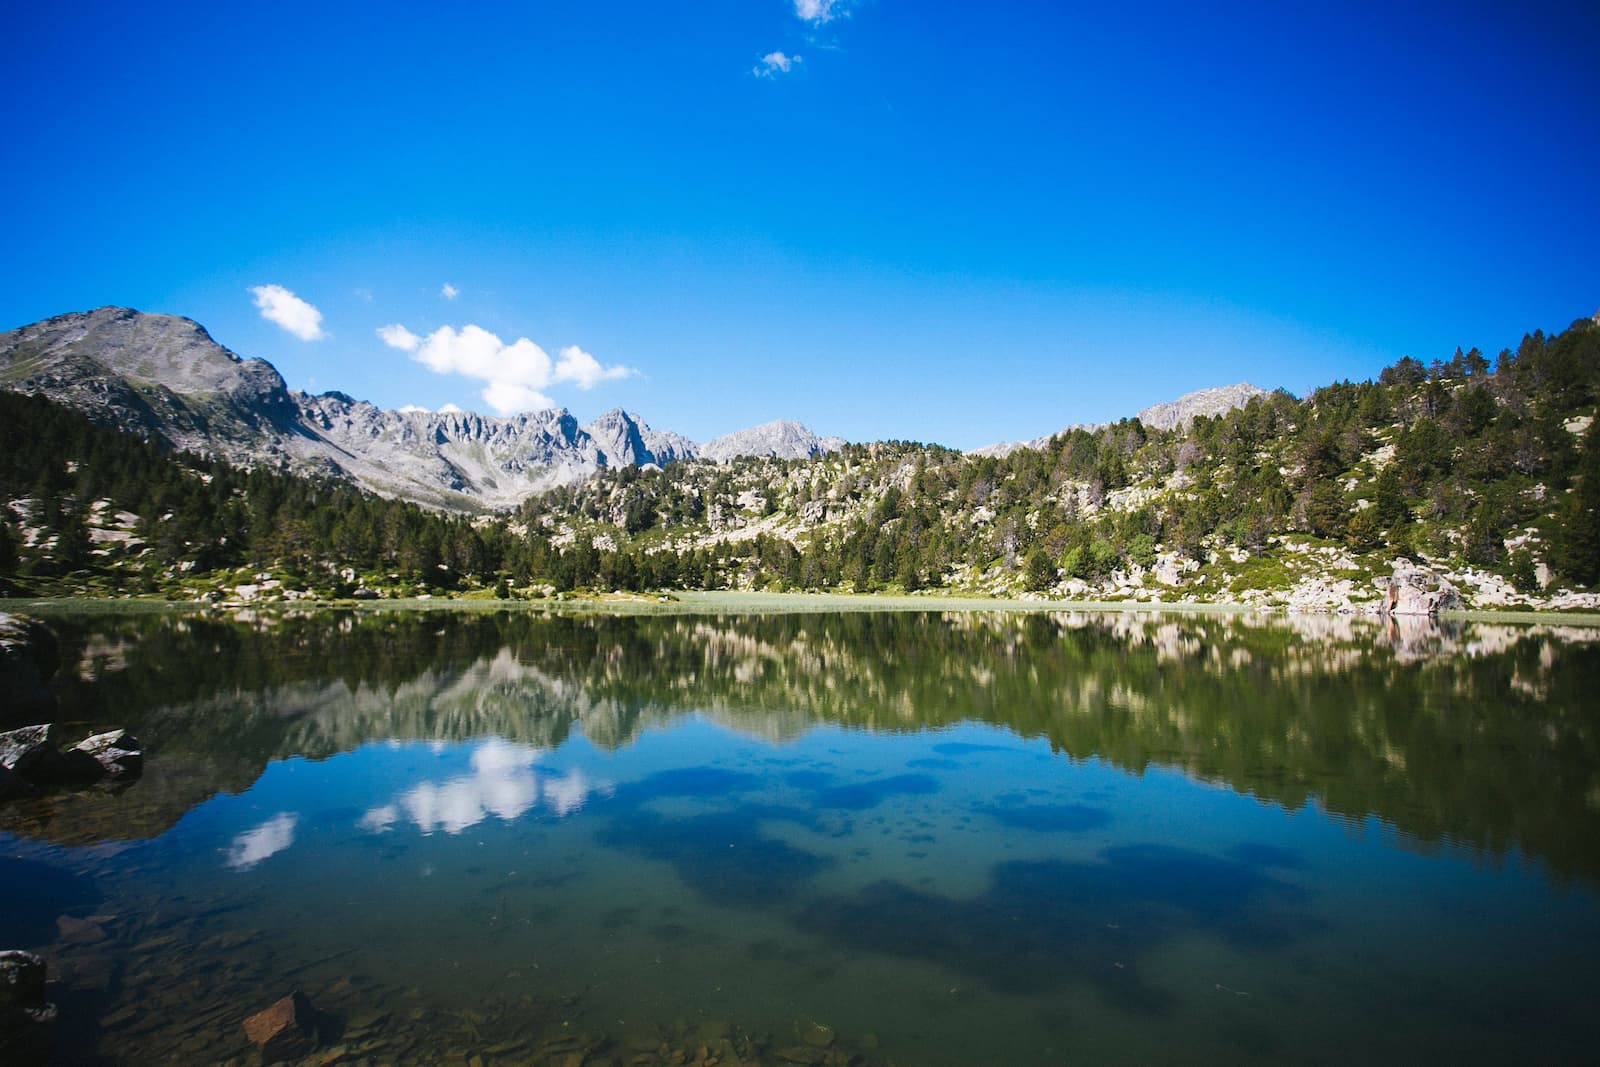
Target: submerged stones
x=286, y=1030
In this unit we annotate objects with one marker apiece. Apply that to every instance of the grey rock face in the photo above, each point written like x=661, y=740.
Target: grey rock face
x=780, y=439
x=1208, y=402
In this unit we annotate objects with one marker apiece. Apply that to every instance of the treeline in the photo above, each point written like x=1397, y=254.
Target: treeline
x=1450, y=460
x=66, y=476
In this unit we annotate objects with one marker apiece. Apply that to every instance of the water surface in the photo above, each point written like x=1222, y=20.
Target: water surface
x=880, y=838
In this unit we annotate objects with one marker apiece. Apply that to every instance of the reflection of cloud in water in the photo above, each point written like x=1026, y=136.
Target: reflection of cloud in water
x=503, y=783
x=270, y=838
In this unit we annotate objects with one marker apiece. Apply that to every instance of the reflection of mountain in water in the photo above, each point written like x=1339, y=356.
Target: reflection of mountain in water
x=1483, y=734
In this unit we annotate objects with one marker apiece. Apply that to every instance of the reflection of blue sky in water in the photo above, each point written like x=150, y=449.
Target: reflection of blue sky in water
x=505, y=782
x=268, y=839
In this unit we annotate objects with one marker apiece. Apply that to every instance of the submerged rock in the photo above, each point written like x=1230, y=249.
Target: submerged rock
x=29, y=656
x=286, y=1030
x=25, y=1017
x=1410, y=590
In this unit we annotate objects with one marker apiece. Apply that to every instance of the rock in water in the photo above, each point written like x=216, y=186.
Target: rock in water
x=286, y=1030
x=25, y=1017
x=117, y=752
x=29, y=655
x=30, y=753
x=1414, y=591
x=34, y=755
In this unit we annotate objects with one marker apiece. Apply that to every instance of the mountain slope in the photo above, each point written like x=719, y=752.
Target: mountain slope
x=164, y=377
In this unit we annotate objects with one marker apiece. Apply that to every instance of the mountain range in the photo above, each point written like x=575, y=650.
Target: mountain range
x=163, y=377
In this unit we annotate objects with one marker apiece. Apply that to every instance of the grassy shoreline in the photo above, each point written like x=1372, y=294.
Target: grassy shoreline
x=740, y=603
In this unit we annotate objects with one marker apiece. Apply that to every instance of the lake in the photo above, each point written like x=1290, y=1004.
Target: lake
x=865, y=838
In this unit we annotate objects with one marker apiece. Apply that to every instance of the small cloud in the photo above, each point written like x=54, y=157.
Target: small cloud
x=515, y=374
x=364, y=295
x=397, y=336
x=279, y=305
x=451, y=409
x=268, y=839
x=584, y=371
x=413, y=409
x=817, y=12
x=773, y=64
x=448, y=291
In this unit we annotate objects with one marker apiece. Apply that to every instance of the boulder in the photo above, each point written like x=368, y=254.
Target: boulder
x=34, y=755
x=116, y=752
x=284, y=1031
x=31, y=752
x=25, y=1017
x=1410, y=590
x=31, y=758
x=29, y=655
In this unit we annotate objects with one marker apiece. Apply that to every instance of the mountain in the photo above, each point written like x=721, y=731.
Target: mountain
x=1170, y=415
x=1208, y=402
x=164, y=377
x=780, y=439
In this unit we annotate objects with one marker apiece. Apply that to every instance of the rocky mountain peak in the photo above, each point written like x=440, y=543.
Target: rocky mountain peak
x=781, y=439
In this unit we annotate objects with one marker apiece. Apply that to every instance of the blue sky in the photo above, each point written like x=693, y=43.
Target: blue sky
x=951, y=222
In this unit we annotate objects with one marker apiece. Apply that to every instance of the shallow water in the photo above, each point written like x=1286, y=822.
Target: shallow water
x=898, y=838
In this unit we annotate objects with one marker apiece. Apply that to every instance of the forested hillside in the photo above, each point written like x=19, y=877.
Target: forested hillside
x=1485, y=470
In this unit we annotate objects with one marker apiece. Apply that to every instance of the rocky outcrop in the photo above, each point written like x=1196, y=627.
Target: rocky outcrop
x=780, y=439
x=29, y=656
x=26, y=1018
x=1410, y=590
x=1209, y=402
x=1169, y=415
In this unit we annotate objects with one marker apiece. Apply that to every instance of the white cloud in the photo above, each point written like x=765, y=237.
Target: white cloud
x=270, y=838
x=819, y=11
x=279, y=305
x=514, y=374
x=448, y=291
x=582, y=369
x=397, y=336
x=451, y=409
x=773, y=64
x=505, y=783
x=413, y=409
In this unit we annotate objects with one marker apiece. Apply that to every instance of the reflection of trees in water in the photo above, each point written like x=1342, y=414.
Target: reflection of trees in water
x=1475, y=732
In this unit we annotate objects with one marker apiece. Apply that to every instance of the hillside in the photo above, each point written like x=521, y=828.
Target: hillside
x=1484, y=473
